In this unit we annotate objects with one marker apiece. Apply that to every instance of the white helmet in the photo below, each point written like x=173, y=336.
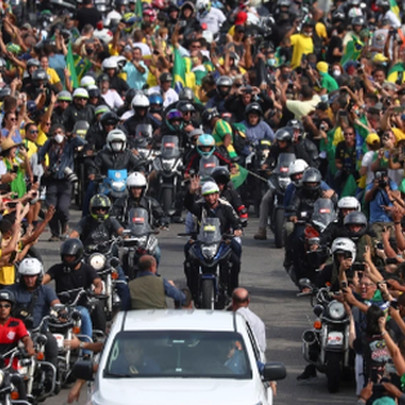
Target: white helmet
x=349, y=203
x=203, y=6
x=209, y=187
x=30, y=267
x=80, y=92
x=87, y=81
x=114, y=139
x=344, y=245
x=298, y=166
x=140, y=101
x=120, y=60
x=136, y=179
x=109, y=63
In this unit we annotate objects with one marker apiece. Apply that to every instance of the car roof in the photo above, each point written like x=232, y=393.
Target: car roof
x=170, y=319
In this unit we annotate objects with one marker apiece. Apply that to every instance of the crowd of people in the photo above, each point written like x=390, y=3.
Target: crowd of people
x=238, y=84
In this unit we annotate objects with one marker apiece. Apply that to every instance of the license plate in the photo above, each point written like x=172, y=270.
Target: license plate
x=59, y=340
x=335, y=338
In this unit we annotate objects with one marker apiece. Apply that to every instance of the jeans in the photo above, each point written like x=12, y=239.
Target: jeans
x=87, y=326
x=265, y=208
x=59, y=194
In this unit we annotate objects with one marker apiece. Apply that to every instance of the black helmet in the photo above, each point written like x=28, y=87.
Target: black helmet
x=224, y=84
x=4, y=92
x=109, y=118
x=40, y=74
x=129, y=95
x=7, y=296
x=186, y=94
x=254, y=108
x=338, y=15
x=185, y=106
x=355, y=218
x=94, y=92
x=72, y=247
x=283, y=134
x=165, y=77
x=296, y=124
x=208, y=114
x=100, y=201
x=221, y=175
x=311, y=181
x=359, y=20
x=33, y=62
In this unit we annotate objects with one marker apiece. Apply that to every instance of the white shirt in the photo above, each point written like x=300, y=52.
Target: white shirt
x=257, y=325
x=168, y=98
x=214, y=19
x=112, y=99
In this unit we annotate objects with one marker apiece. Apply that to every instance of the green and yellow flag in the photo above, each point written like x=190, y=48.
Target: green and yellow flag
x=239, y=177
x=352, y=51
x=179, y=71
x=71, y=66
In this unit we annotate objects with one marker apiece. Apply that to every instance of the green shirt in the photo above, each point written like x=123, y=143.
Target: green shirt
x=328, y=82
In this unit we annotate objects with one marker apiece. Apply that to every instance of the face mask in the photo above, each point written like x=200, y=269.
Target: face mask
x=116, y=146
x=337, y=73
x=59, y=138
x=271, y=62
x=307, y=34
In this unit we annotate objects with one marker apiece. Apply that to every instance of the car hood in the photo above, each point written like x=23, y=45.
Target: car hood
x=175, y=390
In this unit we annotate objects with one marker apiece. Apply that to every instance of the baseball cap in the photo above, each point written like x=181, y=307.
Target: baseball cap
x=372, y=138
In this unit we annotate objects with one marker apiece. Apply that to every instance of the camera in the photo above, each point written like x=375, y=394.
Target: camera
x=380, y=176
x=14, y=169
x=323, y=127
x=70, y=175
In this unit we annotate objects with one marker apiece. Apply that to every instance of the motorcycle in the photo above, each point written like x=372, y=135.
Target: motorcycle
x=308, y=254
x=101, y=258
x=143, y=142
x=139, y=240
x=114, y=185
x=210, y=256
x=278, y=182
x=168, y=167
x=206, y=166
x=326, y=344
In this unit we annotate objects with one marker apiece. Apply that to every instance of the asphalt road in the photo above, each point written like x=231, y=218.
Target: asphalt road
x=273, y=298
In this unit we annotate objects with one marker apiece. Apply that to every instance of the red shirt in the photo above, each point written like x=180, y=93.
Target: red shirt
x=10, y=333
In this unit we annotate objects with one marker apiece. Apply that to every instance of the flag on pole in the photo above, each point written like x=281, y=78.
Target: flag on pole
x=71, y=66
x=239, y=177
x=179, y=71
x=352, y=51
x=139, y=9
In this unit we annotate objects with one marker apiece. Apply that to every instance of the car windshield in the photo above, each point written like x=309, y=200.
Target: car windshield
x=189, y=354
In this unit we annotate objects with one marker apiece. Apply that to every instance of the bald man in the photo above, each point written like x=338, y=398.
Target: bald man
x=240, y=304
x=148, y=290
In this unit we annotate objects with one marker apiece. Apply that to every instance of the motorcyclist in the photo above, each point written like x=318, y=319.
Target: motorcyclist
x=13, y=331
x=140, y=105
x=72, y=274
x=304, y=148
x=173, y=124
x=33, y=301
x=97, y=133
x=224, y=85
x=110, y=67
x=222, y=177
x=64, y=99
x=212, y=206
x=282, y=145
x=97, y=229
x=78, y=110
x=204, y=149
x=335, y=229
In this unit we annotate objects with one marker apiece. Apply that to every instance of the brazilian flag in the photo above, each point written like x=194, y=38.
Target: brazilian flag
x=352, y=51
x=179, y=71
x=71, y=66
x=394, y=72
x=239, y=177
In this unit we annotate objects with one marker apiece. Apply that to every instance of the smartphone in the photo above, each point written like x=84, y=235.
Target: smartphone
x=12, y=204
x=399, y=108
x=391, y=260
x=36, y=178
x=379, y=246
x=358, y=266
x=394, y=304
x=343, y=285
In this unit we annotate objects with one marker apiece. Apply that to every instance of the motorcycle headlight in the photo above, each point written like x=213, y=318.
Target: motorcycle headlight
x=152, y=243
x=118, y=185
x=209, y=251
x=142, y=241
x=167, y=164
x=336, y=310
x=97, y=261
x=284, y=182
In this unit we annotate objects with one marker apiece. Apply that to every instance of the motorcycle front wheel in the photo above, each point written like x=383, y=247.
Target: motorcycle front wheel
x=207, y=294
x=333, y=371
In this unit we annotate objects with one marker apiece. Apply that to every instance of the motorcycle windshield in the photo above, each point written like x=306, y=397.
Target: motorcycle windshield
x=117, y=179
x=208, y=165
x=324, y=213
x=210, y=231
x=170, y=147
x=143, y=134
x=139, y=222
x=283, y=163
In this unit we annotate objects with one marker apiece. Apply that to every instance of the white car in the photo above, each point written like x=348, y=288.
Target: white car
x=177, y=357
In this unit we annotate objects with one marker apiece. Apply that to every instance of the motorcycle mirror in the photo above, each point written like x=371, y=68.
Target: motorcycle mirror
x=83, y=369
x=318, y=309
x=304, y=282
x=274, y=371
x=114, y=262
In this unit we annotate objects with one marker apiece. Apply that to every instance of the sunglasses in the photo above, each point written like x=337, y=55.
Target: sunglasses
x=81, y=98
x=13, y=119
x=5, y=305
x=100, y=209
x=34, y=131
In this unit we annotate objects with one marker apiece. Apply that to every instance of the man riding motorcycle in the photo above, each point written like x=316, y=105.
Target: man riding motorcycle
x=212, y=206
x=99, y=227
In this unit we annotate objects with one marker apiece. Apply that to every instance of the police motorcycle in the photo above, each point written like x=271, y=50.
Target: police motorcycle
x=168, y=167
x=144, y=145
x=278, y=182
x=326, y=344
x=210, y=256
x=139, y=239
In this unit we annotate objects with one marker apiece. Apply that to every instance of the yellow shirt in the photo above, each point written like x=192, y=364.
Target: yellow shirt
x=7, y=273
x=302, y=45
x=53, y=76
x=399, y=134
